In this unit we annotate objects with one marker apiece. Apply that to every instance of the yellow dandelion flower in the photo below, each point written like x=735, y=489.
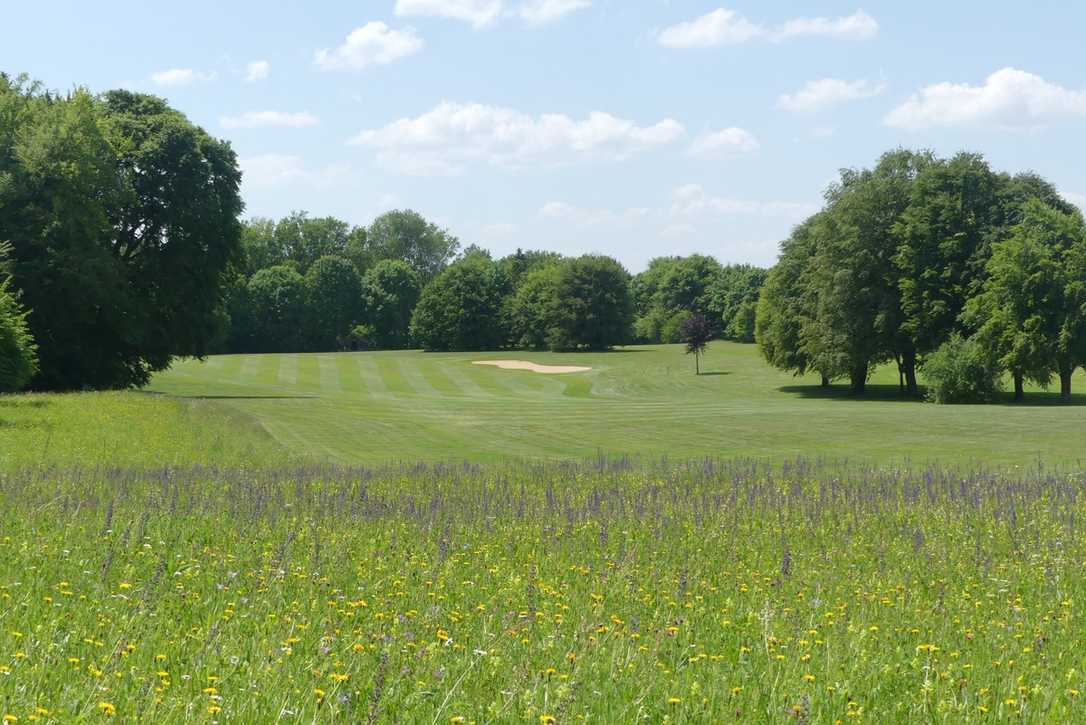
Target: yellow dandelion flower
x=319, y=693
x=108, y=708
x=213, y=709
x=547, y=719
x=674, y=700
x=340, y=677
x=808, y=678
x=10, y=718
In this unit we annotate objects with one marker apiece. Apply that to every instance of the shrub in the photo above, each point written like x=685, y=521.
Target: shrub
x=961, y=371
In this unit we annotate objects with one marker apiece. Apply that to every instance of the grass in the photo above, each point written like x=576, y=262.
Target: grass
x=646, y=401
x=715, y=592
x=126, y=429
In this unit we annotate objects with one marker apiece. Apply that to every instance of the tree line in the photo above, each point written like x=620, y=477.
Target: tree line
x=122, y=247
x=935, y=262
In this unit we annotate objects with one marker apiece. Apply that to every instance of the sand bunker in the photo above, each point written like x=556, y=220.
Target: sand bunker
x=535, y=368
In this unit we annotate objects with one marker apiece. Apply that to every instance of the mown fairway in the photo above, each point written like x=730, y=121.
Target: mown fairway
x=646, y=401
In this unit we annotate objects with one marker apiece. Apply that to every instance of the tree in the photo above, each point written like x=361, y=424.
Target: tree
x=390, y=292
x=733, y=300
x=1029, y=314
x=786, y=310
x=461, y=308
x=407, y=236
x=123, y=218
x=278, y=298
x=303, y=240
x=961, y=370
x=518, y=265
x=333, y=301
x=594, y=309
x=259, y=247
x=697, y=331
x=954, y=216
x=18, y=353
x=531, y=312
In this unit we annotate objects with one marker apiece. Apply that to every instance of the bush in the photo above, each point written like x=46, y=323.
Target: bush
x=961, y=371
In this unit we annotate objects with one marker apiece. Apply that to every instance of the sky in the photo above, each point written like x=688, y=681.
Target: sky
x=634, y=128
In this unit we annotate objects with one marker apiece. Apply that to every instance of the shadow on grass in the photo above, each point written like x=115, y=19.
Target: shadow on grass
x=713, y=373
x=180, y=396
x=893, y=394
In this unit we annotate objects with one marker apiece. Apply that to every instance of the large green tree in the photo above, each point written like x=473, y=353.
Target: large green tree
x=390, y=292
x=461, y=309
x=594, y=310
x=407, y=236
x=123, y=218
x=1030, y=313
x=333, y=301
x=278, y=297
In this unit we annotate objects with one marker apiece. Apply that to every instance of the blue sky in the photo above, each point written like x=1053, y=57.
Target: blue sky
x=636, y=128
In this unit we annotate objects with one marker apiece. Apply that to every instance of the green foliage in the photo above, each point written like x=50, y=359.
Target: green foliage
x=333, y=301
x=531, y=313
x=390, y=292
x=280, y=311
x=123, y=218
x=733, y=300
x=18, y=353
x=405, y=235
x=593, y=308
x=461, y=308
x=961, y=370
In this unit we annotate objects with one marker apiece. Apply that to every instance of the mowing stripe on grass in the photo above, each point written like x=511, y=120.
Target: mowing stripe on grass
x=288, y=369
x=329, y=374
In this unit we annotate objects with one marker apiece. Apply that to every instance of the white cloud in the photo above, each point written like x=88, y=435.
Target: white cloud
x=858, y=26
x=372, y=44
x=278, y=170
x=538, y=12
x=258, y=70
x=445, y=139
x=720, y=27
x=727, y=27
x=726, y=142
x=692, y=199
x=591, y=217
x=826, y=92
x=1009, y=98
x=480, y=13
x=175, y=77
x=269, y=119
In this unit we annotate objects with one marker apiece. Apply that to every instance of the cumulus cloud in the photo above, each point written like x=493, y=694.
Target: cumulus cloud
x=539, y=12
x=258, y=70
x=726, y=142
x=827, y=92
x=591, y=217
x=692, y=199
x=271, y=171
x=1008, y=98
x=728, y=27
x=372, y=44
x=269, y=119
x=175, y=77
x=444, y=140
x=480, y=13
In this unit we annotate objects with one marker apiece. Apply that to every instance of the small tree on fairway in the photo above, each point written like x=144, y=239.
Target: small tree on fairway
x=697, y=331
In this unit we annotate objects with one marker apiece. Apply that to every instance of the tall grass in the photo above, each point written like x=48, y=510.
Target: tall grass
x=688, y=592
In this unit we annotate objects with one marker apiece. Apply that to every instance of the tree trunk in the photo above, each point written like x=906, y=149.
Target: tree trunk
x=858, y=379
x=1019, y=386
x=908, y=361
x=825, y=380
x=1065, y=384
x=900, y=375
x=697, y=363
